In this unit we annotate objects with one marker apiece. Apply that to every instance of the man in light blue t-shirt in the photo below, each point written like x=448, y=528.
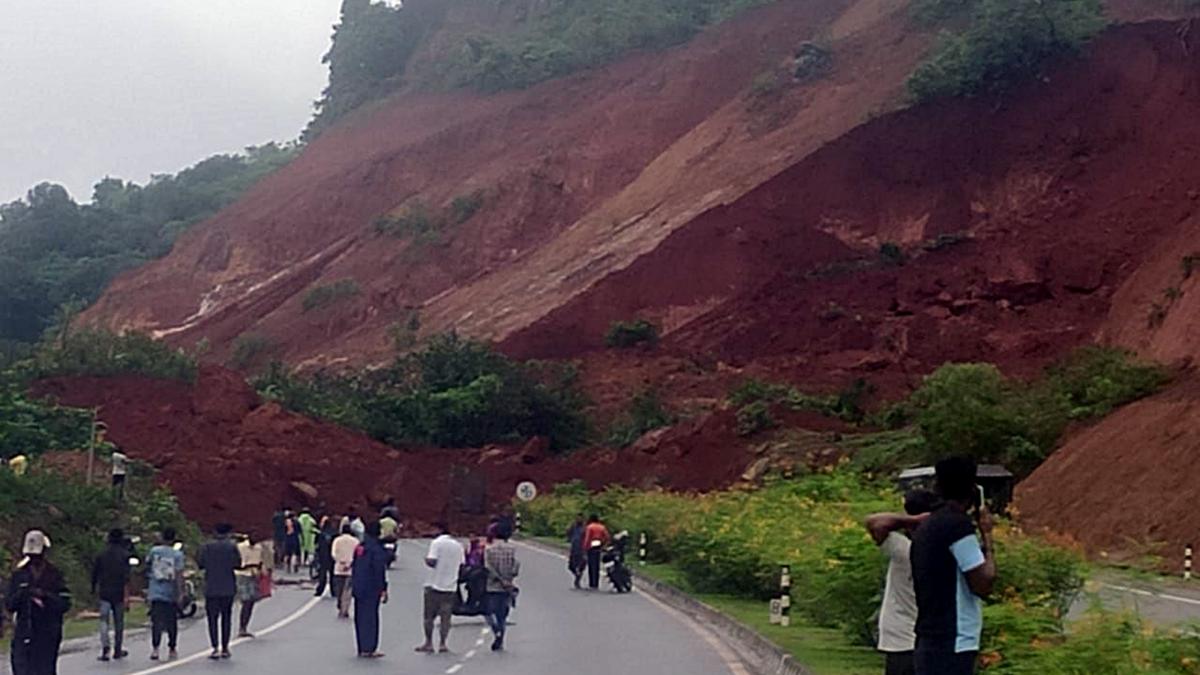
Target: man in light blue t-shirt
x=164, y=572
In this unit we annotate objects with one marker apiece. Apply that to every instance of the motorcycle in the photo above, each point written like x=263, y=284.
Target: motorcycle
x=187, y=602
x=613, y=559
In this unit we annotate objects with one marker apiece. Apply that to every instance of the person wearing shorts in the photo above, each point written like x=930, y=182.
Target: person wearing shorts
x=446, y=556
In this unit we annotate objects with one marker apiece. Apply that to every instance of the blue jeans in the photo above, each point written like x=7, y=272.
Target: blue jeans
x=497, y=605
x=114, y=614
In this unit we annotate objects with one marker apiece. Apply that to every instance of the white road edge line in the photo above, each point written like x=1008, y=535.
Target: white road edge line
x=730, y=659
x=283, y=623
x=469, y=655
x=1164, y=596
x=454, y=669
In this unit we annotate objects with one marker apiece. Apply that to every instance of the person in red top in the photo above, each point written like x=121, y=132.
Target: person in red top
x=595, y=538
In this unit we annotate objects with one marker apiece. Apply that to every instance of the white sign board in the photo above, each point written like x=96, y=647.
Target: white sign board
x=527, y=491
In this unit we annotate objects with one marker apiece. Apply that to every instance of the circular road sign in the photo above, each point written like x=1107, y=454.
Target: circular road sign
x=527, y=491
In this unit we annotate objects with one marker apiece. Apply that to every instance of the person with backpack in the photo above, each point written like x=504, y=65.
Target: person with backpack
x=38, y=598
x=219, y=559
x=164, y=567
x=110, y=576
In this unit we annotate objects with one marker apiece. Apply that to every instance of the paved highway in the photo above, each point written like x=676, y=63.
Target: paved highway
x=557, y=630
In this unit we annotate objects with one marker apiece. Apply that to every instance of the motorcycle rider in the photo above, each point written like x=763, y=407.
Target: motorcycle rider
x=164, y=569
x=38, y=597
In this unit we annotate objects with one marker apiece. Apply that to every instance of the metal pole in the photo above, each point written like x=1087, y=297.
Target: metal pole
x=642, y=549
x=92, y=448
x=785, y=596
x=1187, y=563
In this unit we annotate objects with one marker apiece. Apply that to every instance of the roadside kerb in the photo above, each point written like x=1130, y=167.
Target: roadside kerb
x=761, y=655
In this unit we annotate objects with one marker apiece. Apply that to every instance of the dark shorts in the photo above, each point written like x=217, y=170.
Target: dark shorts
x=291, y=547
x=898, y=663
x=118, y=479
x=941, y=659
x=439, y=604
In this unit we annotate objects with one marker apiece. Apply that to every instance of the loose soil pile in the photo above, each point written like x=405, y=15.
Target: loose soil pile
x=229, y=456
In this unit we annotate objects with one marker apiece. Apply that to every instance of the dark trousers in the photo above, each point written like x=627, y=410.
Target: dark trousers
x=219, y=609
x=38, y=656
x=593, y=565
x=325, y=578
x=244, y=618
x=498, y=605
x=899, y=663
x=112, y=614
x=164, y=617
x=941, y=659
x=366, y=622
x=341, y=591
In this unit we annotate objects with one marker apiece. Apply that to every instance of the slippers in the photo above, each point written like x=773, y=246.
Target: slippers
x=424, y=650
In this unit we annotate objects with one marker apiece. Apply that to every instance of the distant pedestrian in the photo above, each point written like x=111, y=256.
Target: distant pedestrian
x=577, y=560
x=220, y=559
x=500, y=560
x=953, y=569
x=120, y=468
x=369, y=578
x=595, y=538
x=343, y=550
x=444, y=560
x=389, y=510
x=898, y=613
x=110, y=576
x=308, y=536
x=279, y=533
x=291, y=542
x=164, y=567
x=357, y=527
x=38, y=598
x=250, y=577
x=324, y=554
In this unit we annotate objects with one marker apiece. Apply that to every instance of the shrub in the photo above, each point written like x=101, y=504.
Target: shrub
x=416, y=222
x=103, y=354
x=1095, y=380
x=1190, y=263
x=404, y=333
x=1006, y=41
x=330, y=294
x=249, y=349
x=623, y=335
x=891, y=254
x=645, y=413
x=755, y=417
x=451, y=393
x=811, y=61
x=847, y=404
x=464, y=207
x=33, y=427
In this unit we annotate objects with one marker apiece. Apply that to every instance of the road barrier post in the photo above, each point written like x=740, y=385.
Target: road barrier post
x=517, y=521
x=1187, y=562
x=785, y=595
x=642, y=549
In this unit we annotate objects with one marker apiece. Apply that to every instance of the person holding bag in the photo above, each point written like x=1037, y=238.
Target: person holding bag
x=250, y=582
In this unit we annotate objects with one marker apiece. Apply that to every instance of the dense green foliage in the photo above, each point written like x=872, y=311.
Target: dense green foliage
x=756, y=400
x=101, y=354
x=625, y=334
x=733, y=543
x=1002, y=42
x=451, y=393
x=250, y=349
x=29, y=427
x=328, y=295
x=56, y=252
x=374, y=44
x=645, y=413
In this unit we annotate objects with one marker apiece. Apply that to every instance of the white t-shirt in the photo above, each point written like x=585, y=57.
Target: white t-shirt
x=898, y=615
x=343, y=554
x=450, y=556
x=119, y=463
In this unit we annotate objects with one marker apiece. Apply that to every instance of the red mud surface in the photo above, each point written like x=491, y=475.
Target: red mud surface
x=230, y=457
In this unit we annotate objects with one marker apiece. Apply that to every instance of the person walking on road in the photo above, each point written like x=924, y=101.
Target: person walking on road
x=595, y=538
x=308, y=536
x=250, y=576
x=577, y=561
x=110, y=576
x=369, y=578
x=164, y=567
x=220, y=560
x=324, y=554
x=444, y=559
x=291, y=542
x=898, y=613
x=342, y=550
x=38, y=599
x=279, y=534
x=953, y=568
x=500, y=560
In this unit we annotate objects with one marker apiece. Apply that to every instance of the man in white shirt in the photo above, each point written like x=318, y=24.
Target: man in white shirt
x=343, y=562
x=120, y=467
x=898, y=614
x=444, y=559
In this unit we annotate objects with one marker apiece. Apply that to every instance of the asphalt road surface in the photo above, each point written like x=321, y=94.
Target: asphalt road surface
x=557, y=630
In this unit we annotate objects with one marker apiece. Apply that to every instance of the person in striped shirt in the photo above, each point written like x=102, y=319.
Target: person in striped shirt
x=500, y=560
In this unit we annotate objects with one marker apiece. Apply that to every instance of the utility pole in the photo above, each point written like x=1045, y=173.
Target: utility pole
x=91, y=448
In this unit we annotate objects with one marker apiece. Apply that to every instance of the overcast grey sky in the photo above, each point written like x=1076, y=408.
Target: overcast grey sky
x=128, y=88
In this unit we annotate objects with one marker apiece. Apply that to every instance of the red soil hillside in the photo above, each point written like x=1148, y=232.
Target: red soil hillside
x=229, y=456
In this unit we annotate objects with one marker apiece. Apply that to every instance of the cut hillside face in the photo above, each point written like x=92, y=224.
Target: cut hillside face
x=576, y=178
x=1125, y=486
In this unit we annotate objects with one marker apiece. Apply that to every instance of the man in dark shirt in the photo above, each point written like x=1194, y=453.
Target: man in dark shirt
x=219, y=559
x=110, y=576
x=952, y=570
x=38, y=598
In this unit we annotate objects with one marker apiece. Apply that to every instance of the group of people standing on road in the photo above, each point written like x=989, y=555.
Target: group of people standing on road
x=941, y=564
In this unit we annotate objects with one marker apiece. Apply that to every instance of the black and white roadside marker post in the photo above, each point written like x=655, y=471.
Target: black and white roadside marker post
x=785, y=595
x=642, y=549
x=1187, y=562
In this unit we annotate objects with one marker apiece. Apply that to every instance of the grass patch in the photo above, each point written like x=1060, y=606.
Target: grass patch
x=329, y=295
x=626, y=334
x=250, y=349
